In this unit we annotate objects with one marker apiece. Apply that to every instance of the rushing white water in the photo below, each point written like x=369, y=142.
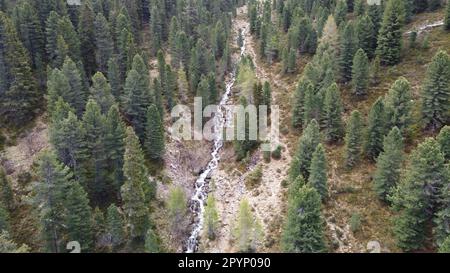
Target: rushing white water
x=201, y=185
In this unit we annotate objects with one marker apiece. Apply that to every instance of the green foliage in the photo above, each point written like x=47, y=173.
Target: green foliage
x=435, y=92
x=390, y=36
x=304, y=229
x=398, y=105
x=211, y=218
x=332, y=115
x=340, y=13
x=389, y=164
x=247, y=231
x=154, y=135
x=360, y=74
x=177, y=209
x=103, y=43
x=151, y=242
x=318, y=178
x=306, y=148
x=355, y=222
x=78, y=217
x=444, y=140
x=19, y=96
x=136, y=174
x=445, y=247
x=417, y=197
x=115, y=226
x=376, y=129
x=254, y=179
x=6, y=191
x=86, y=31
x=9, y=246
x=365, y=33
x=353, y=140
x=101, y=92
x=347, y=51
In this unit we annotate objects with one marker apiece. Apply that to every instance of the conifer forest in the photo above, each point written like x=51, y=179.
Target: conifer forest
x=137, y=126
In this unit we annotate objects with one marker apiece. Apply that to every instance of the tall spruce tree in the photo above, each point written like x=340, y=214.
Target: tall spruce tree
x=154, y=134
x=376, y=129
x=318, y=172
x=103, y=43
x=304, y=229
x=77, y=97
x=390, y=36
x=78, y=219
x=101, y=92
x=353, y=140
x=306, y=148
x=389, y=164
x=418, y=196
x=360, y=73
x=332, y=115
x=115, y=226
x=347, y=51
x=398, y=105
x=86, y=31
x=435, y=92
x=19, y=97
x=136, y=174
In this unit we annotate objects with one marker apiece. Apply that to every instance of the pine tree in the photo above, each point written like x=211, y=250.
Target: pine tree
x=6, y=192
x=360, y=74
x=70, y=36
x=365, y=33
x=332, y=115
x=417, y=196
x=398, y=105
x=101, y=92
x=390, y=36
x=115, y=226
x=51, y=37
x=19, y=97
x=304, y=229
x=347, y=52
x=154, y=135
x=30, y=32
x=340, y=13
x=318, y=172
x=444, y=140
x=306, y=148
x=211, y=218
x=49, y=192
x=353, y=140
x=95, y=167
x=298, y=102
x=389, y=164
x=103, y=43
x=115, y=146
x=135, y=100
x=136, y=174
x=376, y=129
x=78, y=217
x=77, y=96
x=86, y=30
x=67, y=139
x=435, y=92
x=247, y=230
x=114, y=78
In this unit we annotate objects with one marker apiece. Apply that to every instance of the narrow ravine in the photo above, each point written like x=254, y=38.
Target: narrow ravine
x=197, y=202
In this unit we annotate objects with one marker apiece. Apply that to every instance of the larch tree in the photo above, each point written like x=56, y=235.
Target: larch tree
x=211, y=218
x=247, y=230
